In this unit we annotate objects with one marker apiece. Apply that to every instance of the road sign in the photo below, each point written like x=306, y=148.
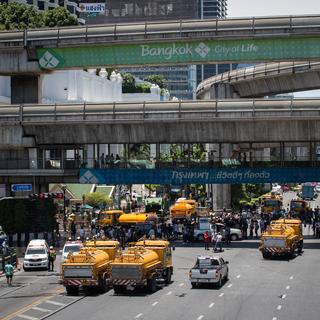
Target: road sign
x=21, y=187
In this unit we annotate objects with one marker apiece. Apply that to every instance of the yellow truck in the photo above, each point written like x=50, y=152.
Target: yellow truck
x=271, y=203
x=90, y=267
x=298, y=207
x=148, y=264
x=282, y=238
x=109, y=218
x=183, y=209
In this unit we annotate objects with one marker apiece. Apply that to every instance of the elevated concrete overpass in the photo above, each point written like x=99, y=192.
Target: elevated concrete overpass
x=25, y=55
x=170, y=42
x=262, y=80
x=215, y=121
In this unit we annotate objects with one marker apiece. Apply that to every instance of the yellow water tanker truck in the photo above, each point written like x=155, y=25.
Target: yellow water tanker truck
x=108, y=246
x=142, y=266
x=89, y=268
x=282, y=238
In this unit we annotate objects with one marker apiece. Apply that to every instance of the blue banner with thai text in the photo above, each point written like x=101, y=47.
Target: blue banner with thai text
x=184, y=176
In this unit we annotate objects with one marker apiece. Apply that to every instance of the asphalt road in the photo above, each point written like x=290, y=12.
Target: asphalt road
x=257, y=289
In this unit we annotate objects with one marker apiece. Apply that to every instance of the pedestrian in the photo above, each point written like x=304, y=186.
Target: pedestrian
x=251, y=228
x=207, y=240
x=256, y=228
x=82, y=233
x=8, y=269
x=51, y=257
x=218, y=242
x=227, y=234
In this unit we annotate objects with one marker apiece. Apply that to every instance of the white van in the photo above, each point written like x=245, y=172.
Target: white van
x=36, y=256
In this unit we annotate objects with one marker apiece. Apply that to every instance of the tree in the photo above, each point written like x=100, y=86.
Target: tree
x=97, y=199
x=128, y=83
x=157, y=79
x=15, y=16
x=19, y=16
x=59, y=17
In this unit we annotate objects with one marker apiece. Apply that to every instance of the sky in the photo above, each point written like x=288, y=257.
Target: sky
x=246, y=8
x=250, y=8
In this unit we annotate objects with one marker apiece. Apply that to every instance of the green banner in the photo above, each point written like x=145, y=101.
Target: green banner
x=186, y=52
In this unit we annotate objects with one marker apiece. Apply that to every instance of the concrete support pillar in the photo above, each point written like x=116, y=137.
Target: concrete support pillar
x=26, y=89
x=90, y=156
x=222, y=91
x=222, y=192
x=33, y=158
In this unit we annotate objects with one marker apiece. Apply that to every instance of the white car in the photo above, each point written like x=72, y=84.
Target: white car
x=317, y=188
x=70, y=246
x=235, y=234
x=36, y=256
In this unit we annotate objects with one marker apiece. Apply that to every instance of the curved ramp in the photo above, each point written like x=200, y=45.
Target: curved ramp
x=262, y=80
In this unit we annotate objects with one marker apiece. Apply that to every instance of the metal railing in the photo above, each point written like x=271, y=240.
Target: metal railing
x=97, y=163
x=256, y=71
x=171, y=111
x=164, y=30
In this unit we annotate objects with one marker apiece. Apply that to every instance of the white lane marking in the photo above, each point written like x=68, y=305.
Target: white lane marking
x=200, y=317
x=287, y=287
x=24, y=316
x=221, y=294
x=138, y=315
x=279, y=307
x=274, y=318
x=283, y=296
x=55, y=303
x=155, y=303
x=181, y=284
x=211, y=305
x=291, y=278
x=170, y=292
x=238, y=276
x=41, y=309
x=230, y=285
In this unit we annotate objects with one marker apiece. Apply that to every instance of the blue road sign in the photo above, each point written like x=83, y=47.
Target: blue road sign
x=21, y=187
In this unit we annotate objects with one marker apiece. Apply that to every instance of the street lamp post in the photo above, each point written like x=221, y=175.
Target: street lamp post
x=64, y=187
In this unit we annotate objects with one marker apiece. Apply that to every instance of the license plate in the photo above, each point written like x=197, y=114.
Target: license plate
x=203, y=271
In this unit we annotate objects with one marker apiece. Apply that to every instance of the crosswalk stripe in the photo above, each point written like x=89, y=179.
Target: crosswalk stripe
x=41, y=309
x=55, y=303
x=24, y=316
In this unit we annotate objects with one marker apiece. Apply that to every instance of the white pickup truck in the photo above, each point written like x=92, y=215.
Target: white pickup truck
x=208, y=269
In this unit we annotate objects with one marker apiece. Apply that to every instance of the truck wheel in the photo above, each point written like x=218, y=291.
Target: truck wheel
x=193, y=285
x=72, y=290
x=265, y=255
x=234, y=237
x=152, y=285
x=168, y=276
x=119, y=289
x=227, y=277
x=219, y=284
x=102, y=285
x=300, y=247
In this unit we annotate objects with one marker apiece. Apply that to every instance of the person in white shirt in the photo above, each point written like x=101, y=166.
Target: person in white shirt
x=218, y=242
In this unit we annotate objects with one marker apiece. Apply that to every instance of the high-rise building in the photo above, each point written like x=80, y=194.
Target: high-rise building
x=212, y=9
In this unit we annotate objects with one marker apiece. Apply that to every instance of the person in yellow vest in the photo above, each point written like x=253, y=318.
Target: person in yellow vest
x=52, y=257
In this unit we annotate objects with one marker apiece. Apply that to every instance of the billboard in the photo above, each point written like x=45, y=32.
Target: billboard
x=185, y=176
x=183, y=52
x=92, y=7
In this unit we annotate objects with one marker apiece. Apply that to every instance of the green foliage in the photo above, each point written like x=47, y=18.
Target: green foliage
x=195, y=152
x=24, y=215
x=19, y=16
x=157, y=79
x=59, y=17
x=128, y=83
x=97, y=199
x=15, y=16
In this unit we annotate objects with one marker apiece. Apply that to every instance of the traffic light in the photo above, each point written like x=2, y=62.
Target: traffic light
x=45, y=195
